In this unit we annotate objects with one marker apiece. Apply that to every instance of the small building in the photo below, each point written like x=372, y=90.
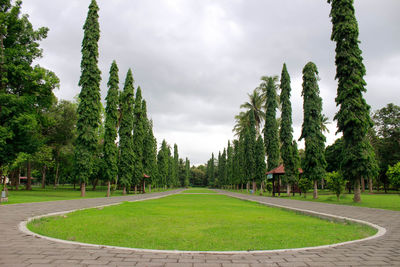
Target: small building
x=275, y=175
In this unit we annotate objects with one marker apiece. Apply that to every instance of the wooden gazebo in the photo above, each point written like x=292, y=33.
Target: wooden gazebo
x=275, y=174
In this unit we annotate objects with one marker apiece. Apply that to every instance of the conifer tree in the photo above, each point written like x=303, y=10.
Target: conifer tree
x=138, y=137
x=229, y=164
x=250, y=143
x=211, y=177
x=126, y=157
x=89, y=106
x=110, y=149
x=236, y=164
x=187, y=173
x=259, y=160
x=353, y=118
x=149, y=148
x=271, y=137
x=314, y=162
x=242, y=159
x=162, y=163
x=171, y=169
x=222, y=168
x=176, y=165
x=286, y=131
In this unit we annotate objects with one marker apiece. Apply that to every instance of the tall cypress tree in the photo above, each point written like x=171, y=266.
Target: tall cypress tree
x=259, y=160
x=314, y=161
x=229, y=164
x=286, y=131
x=250, y=143
x=110, y=149
x=162, y=164
x=271, y=137
x=149, y=148
x=126, y=157
x=353, y=118
x=211, y=178
x=89, y=106
x=138, y=137
x=187, y=173
x=176, y=165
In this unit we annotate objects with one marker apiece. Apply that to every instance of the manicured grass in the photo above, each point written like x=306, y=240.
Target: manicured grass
x=198, y=190
x=374, y=200
x=38, y=194
x=197, y=222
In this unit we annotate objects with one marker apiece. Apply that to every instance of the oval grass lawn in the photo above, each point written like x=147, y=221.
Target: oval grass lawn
x=197, y=222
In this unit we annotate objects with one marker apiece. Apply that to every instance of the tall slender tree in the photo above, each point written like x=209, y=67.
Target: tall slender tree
x=286, y=131
x=259, y=155
x=126, y=154
x=162, y=163
x=89, y=106
x=353, y=118
x=110, y=149
x=187, y=173
x=314, y=161
x=250, y=143
x=271, y=137
x=229, y=164
x=176, y=165
x=138, y=137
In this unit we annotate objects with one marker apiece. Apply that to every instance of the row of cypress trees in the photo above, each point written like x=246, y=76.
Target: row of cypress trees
x=126, y=121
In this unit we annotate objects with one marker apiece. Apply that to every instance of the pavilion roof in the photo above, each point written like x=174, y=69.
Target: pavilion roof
x=281, y=170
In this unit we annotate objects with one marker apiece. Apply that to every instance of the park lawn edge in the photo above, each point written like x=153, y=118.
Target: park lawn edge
x=379, y=231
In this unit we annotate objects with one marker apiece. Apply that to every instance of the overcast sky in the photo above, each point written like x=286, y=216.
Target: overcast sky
x=197, y=60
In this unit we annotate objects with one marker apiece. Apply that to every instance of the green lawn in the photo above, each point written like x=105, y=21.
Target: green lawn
x=374, y=200
x=38, y=194
x=197, y=222
x=198, y=190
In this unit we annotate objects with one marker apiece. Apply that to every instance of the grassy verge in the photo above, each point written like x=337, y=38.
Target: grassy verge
x=370, y=200
x=197, y=222
x=66, y=192
x=198, y=190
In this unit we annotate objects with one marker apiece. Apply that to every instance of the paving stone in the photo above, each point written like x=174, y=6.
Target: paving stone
x=18, y=249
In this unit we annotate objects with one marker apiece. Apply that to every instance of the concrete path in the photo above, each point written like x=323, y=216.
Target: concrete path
x=19, y=249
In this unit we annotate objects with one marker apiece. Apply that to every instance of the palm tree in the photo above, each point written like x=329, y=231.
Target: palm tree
x=269, y=81
x=324, y=122
x=241, y=122
x=255, y=104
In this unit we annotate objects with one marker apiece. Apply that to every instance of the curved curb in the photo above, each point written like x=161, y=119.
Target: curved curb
x=381, y=231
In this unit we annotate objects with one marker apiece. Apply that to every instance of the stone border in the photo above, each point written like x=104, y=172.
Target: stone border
x=381, y=231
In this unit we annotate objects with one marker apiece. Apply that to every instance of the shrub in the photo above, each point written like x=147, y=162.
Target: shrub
x=304, y=185
x=336, y=183
x=393, y=173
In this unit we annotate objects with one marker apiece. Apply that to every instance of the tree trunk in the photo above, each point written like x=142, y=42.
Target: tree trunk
x=144, y=187
x=315, y=193
x=370, y=185
x=94, y=184
x=247, y=186
x=357, y=192
x=254, y=187
x=362, y=184
x=56, y=178
x=5, y=189
x=288, y=189
x=29, y=178
x=124, y=191
x=44, y=176
x=322, y=183
x=83, y=189
x=293, y=191
x=19, y=175
x=108, y=188
x=279, y=186
x=135, y=189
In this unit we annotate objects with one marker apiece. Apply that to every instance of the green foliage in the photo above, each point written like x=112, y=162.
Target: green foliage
x=249, y=150
x=333, y=155
x=176, y=166
x=336, y=183
x=149, y=148
x=162, y=163
x=25, y=90
x=126, y=154
x=393, y=173
x=271, y=137
x=314, y=161
x=259, y=160
x=187, y=173
x=229, y=164
x=138, y=138
x=305, y=184
x=211, y=171
x=286, y=131
x=353, y=118
x=254, y=105
x=89, y=106
x=110, y=149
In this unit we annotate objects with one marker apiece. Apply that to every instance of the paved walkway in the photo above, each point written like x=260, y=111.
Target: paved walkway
x=19, y=249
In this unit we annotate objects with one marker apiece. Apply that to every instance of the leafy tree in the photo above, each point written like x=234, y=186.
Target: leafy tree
x=89, y=105
x=44, y=158
x=271, y=138
x=336, y=183
x=197, y=176
x=236, y=164
x=305, y=184
x=126, y=154
x=187, y=173
x=254, y=105
x=259, y=160
x=314, y=162
x=249, y=151
x=149, y=148
x=386, y=138
x=110, y=149
x=138, y=137
x=333, y=156
x=353, y=118
x=393, y=173
x=229, y=164
x=25, y=90
x=162, y=163
x=211, y=170
x=176, y=165
x=286, y=131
